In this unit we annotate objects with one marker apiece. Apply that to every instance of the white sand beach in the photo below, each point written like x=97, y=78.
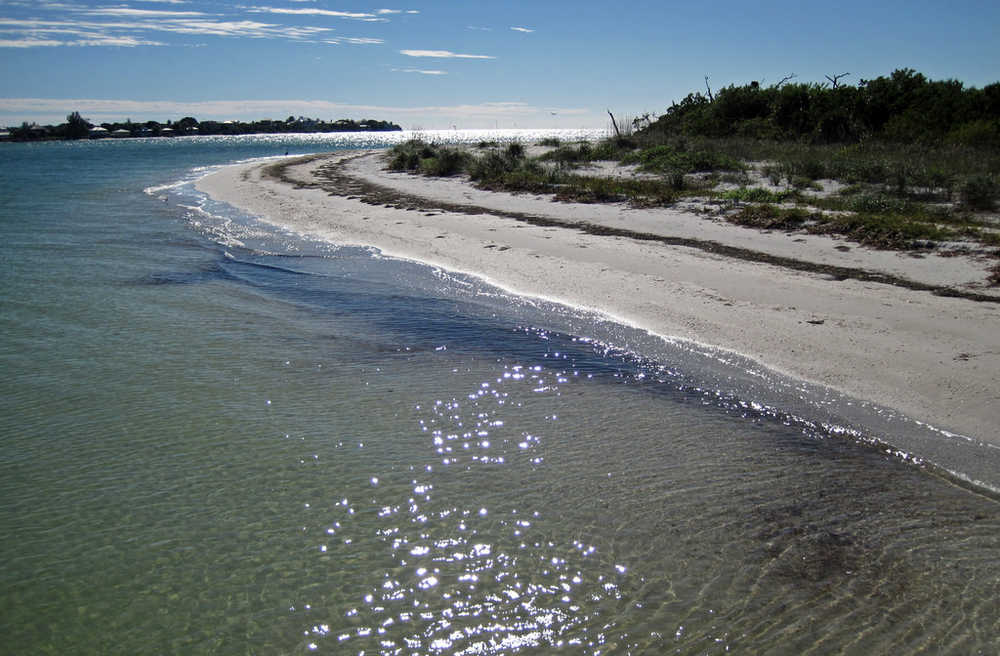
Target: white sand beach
x=934, y=358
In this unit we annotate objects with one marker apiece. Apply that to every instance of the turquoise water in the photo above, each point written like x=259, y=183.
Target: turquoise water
x=290, y=447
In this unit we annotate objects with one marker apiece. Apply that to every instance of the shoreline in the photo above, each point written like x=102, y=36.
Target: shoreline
x=873, y=325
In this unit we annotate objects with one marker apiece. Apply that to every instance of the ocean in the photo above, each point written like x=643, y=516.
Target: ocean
x=220, y=437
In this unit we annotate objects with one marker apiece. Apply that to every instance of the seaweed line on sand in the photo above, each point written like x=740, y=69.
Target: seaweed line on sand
x=333, y=179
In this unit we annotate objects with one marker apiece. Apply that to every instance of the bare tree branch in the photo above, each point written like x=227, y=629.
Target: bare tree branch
x=784, y=79
x=710, y=96
x=836, y=79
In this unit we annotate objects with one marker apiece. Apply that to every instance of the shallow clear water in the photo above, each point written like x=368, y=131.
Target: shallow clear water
x=289, y=447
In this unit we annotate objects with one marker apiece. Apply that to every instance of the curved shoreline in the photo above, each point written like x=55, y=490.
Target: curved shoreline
x=906, y=344
x=334, y=179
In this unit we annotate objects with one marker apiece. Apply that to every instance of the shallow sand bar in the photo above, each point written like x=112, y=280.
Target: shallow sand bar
x=934, y=358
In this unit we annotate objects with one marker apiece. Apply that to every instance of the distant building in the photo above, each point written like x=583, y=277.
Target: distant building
x=98, y=132
x=120, y=133
x=4, y=135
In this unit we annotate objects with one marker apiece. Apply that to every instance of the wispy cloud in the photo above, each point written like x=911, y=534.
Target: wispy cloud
x=419, y=70
x=30, y=43
x=119, y=41
x=140, y=13
x=123, y=26
x=361, y=41
x=316, y=12
x=128, y=29
x=250, y=29
x=477, y=28
x=522, y=29
x=442, y=54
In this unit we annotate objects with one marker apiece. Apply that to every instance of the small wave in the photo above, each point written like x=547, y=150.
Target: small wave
x=269, y=267
x=158, y=189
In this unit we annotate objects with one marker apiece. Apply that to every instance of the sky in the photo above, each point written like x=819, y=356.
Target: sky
x=451, y=64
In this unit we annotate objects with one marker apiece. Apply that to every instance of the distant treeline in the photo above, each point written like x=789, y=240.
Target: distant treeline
x=904, y=107
x=76, y=127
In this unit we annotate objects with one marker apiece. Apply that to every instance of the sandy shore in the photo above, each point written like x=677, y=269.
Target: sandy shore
x=800, y=304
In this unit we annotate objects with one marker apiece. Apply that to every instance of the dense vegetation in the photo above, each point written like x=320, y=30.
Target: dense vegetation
x=904, y=107
x=77, y=127
x=916, y=162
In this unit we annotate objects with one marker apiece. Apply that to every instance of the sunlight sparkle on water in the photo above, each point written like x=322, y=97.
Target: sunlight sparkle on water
x=476, y=579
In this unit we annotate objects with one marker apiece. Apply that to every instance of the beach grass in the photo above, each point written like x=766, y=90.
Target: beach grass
x=913, y=197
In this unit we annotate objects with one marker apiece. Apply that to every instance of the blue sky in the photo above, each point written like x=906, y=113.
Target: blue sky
x=466, y=64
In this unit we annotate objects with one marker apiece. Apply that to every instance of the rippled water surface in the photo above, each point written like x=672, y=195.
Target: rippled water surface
x=292, y=448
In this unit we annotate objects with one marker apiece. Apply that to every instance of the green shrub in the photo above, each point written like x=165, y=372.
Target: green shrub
x=515, y=151
x=799, y=182
x=447, y=162
x=769, y=217
x=885, y=231
x=613, y=149
x=811, y=168
x=979, y=192
x=755, y=195
x=981, y=133
x=665, y=159
x=404, y=161
x=493, y=167
x=879, y=204
x=408, y=155
x=773, y=174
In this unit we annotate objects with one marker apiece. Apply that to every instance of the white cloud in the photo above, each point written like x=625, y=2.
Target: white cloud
x=124, y=26
x=420, y=71
x=119, y=41
x=361, y=41
x=29, y=43
x=34, y=33
x=389, y=11
x=442, y=54
x=141, y=13
x=316, y=12
x=251, y=29
x=522, y=29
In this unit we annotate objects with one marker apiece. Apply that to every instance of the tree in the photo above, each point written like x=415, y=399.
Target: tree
x=77, y=127
x=187, y=123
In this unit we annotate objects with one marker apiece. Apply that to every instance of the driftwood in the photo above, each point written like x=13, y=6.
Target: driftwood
x=614, y=124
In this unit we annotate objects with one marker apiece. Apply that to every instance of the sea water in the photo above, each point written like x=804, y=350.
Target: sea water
x=219, y=437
